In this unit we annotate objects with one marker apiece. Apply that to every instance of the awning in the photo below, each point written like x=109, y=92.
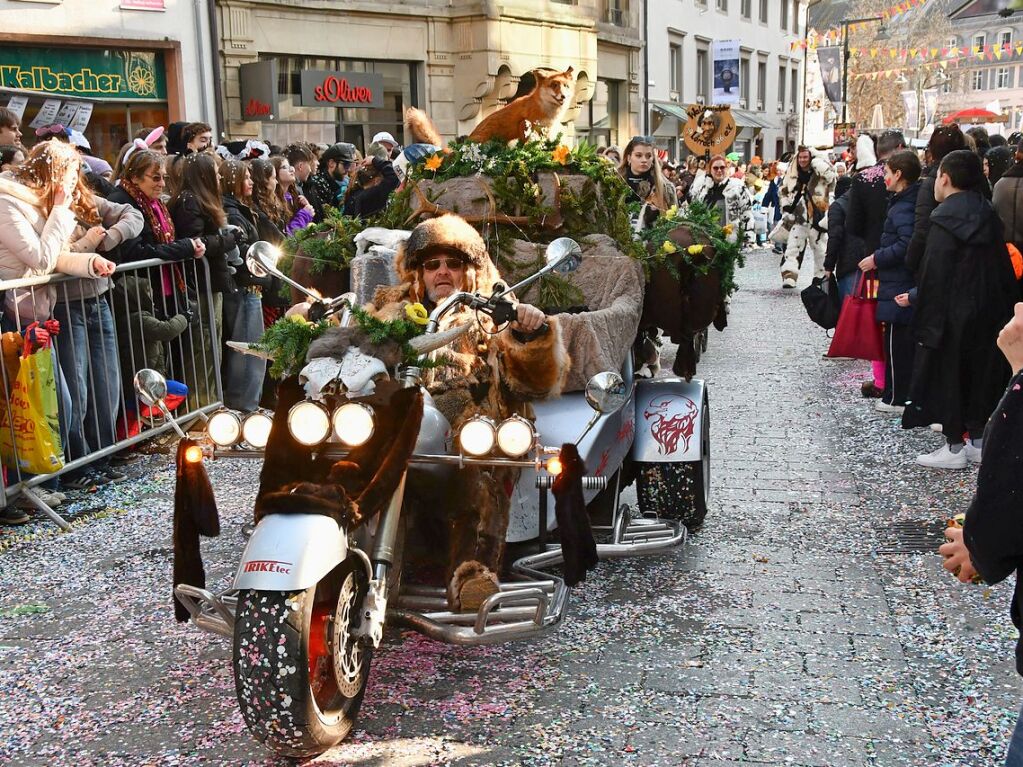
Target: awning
x=746, y=119
x=671, y=109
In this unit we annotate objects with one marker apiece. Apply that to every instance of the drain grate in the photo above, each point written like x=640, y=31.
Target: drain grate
x=909, y=537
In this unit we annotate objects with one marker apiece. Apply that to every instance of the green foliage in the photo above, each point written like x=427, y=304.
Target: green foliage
x=287, y=341
x=334, y=252
x=703, y=222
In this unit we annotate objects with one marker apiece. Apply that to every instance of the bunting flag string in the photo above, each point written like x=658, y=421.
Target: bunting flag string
x=834, y=36
x=947, y=54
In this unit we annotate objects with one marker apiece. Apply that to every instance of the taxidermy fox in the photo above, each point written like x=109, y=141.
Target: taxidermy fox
x=540, y=106
x=421, y=128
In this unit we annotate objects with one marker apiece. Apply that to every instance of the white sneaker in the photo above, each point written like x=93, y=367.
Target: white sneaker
x=884, y=407
x=936, y=427
x=51, y=499
x=943, y=458
x=788, y=282
x=972, y=453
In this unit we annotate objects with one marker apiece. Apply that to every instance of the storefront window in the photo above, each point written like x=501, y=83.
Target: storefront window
x=326, y=125
x=597, y=122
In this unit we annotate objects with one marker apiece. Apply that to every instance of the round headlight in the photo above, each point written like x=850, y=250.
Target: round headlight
x=224, y=428
x=256, y=429
x=477, y=436
x=309, y=423
x=515, y=436
x=353, y=423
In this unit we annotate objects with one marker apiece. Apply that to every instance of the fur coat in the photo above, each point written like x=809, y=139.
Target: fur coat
x=819, y=189
x=737, y=205
x=494, y=375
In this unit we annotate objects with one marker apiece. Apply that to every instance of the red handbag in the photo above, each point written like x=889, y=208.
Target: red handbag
x=858, y=334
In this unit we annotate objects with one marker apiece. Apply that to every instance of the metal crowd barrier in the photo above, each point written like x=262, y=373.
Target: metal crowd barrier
x=103, y=340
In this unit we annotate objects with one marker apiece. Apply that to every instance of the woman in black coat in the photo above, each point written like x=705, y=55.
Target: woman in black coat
x=845, y=248
x=242, y=374
x=199, y=213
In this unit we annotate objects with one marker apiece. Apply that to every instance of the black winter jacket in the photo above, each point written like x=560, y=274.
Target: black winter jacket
x=925, y=204
x=895, y=277
x=145, y=245
x=241, y=215
x=367, y=202
x=966, y=283
x=845, y=249
x=868, y=203
x=189, y=221
x=992, y=532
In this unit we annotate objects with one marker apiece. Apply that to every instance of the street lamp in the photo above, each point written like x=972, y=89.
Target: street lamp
x=845, y=60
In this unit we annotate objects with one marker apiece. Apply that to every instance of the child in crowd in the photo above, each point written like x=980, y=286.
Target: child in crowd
x=902, y=179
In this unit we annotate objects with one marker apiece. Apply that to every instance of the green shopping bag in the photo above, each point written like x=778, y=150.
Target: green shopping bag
x=29, y=425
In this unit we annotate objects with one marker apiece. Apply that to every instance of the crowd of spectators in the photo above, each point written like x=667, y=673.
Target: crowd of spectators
x=175, y=195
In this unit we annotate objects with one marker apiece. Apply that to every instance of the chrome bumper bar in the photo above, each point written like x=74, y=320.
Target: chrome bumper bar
x=210, y=612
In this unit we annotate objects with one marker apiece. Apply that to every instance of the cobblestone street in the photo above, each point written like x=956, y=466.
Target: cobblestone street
x=809, y=622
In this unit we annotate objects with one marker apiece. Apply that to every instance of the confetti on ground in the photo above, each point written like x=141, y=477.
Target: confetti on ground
x=777, y=637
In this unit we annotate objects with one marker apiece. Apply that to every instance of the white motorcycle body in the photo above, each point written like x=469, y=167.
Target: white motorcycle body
x=290, y=552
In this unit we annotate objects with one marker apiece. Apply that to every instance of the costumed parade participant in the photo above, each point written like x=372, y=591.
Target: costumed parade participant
x=488, y=373
x=728, y=195
x=805, y=194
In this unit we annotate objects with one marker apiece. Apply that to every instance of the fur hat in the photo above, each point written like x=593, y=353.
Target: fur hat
x=447, y=232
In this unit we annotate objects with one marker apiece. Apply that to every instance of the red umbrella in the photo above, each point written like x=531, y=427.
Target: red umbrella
x=974, y=115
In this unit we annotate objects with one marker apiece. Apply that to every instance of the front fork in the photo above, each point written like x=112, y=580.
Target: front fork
x=378, y=566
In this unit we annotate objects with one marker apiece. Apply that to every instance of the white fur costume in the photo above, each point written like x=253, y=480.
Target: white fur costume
x=803, y=233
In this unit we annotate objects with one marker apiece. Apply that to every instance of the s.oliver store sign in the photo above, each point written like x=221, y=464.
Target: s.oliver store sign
x=341, y=89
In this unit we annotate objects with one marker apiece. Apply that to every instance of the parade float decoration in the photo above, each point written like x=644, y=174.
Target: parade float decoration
x=523, y=196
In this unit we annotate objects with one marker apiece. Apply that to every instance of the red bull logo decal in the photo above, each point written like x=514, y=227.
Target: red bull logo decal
x=267, y=566
x=672, y=422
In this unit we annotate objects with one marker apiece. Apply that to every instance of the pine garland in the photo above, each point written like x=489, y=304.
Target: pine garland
x=287, y=342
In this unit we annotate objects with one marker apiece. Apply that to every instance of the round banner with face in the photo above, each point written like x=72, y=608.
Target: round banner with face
x=709, y=129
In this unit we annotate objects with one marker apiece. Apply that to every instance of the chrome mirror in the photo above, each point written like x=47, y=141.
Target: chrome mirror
x=150, y=386
x=564, y=255
x=261, y=259
x=606, y=392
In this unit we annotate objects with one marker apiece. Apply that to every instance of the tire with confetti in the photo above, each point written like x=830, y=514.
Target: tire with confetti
x=300, y=674
x=678, y=490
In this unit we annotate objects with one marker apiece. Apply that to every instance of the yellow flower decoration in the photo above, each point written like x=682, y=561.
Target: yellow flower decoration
x=694, y=250
x=434, y=162
x=728, y=229
x=561, y=154
x=671, y=212
x=669, y=247
x=417, y=313
x=299, y=319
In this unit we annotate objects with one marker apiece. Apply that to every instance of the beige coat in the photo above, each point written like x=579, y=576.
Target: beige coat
x=33, y=245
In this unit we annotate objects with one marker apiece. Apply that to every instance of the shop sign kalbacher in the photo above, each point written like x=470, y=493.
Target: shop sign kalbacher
x=88, y=73
x=341, y=89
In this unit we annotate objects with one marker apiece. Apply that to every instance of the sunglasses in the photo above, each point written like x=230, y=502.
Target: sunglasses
x=53, y=130
x=453, y=264
x=643, y=140
x=158, y=177
x=718, y=167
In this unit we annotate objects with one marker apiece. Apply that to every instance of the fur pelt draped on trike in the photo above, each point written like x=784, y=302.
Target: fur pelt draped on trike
x=468, y=383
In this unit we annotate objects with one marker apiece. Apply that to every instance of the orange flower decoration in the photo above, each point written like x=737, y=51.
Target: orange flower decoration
x=434, y=162
x=561, y=154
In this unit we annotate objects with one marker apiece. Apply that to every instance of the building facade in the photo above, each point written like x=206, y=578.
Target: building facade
x=110, y=69
x=459, y=60
x=993, y=79
x=680, y=37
